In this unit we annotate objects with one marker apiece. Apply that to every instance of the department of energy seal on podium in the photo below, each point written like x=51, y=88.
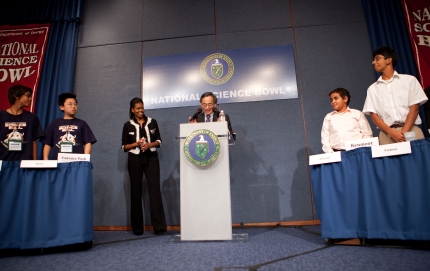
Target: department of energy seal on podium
x=216, y=69
x=202, y=147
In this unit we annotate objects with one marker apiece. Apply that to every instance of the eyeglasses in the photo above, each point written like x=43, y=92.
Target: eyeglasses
x=71, y=105
x=206, y=105
x=377, y=58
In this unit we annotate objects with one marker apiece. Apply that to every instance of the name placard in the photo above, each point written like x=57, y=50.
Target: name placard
x=73, y=157
x=324, y=158
x=38, y=164
x=391, y=149
x=1, y=162
x=359, y=143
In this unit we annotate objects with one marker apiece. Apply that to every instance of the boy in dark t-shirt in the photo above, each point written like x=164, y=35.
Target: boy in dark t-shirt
x=19, y=129
x=68, y=134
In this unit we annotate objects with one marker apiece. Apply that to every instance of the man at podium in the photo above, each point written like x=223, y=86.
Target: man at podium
x=209, y=112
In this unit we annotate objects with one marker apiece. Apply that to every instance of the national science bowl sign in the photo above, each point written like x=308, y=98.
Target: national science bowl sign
x=202, y=147
x=241, y=75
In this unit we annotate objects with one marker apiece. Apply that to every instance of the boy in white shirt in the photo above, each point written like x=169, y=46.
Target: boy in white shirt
x=393, y=100
x=343, y=124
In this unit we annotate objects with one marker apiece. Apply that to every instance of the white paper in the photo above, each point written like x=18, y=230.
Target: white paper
x=391, y=149
x=360, y=143
x=38, y=164
x=73, y=157
x=325, y=158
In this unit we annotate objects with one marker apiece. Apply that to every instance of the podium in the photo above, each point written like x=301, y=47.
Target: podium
x=205, y=185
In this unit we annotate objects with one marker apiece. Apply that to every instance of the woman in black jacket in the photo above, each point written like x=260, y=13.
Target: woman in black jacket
x=141, y=138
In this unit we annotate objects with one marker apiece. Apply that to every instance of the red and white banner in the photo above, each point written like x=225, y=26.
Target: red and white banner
x=22, y=49
x=417, y=14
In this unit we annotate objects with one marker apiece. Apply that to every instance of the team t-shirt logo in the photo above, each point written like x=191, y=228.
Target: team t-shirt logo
x=67, y=137
x=15, y=133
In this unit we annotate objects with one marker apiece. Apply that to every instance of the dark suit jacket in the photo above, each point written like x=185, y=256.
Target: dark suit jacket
x=201, y=118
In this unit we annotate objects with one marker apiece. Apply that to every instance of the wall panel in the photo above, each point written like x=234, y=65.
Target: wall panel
x=163, y=19
x=110, y=22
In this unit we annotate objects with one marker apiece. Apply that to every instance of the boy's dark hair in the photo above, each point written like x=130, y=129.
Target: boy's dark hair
x=16, y=92
x=64, y=96
x=132, y=103
x=342, y=93
x=209, y=94
x=387, y=52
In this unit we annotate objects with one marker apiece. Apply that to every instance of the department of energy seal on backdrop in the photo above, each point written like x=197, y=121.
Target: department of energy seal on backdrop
x=216, y=69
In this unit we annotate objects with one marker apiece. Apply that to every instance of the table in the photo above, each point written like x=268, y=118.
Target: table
x=42, y=208
x=375, y=198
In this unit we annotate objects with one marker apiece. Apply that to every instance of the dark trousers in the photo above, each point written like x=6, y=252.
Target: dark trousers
x=136, y=169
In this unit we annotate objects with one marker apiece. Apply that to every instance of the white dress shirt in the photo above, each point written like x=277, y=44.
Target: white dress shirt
x=340, y=127
x=391, y=99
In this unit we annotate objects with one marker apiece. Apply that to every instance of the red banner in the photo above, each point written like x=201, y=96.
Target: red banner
x=22, y=49
x=417, y=14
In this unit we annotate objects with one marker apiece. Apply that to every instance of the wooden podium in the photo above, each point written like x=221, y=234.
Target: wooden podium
x=205, y=189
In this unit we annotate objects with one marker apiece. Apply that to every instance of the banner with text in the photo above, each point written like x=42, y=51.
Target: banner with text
x=417, y=14
x=22, y=49
x=241, y=75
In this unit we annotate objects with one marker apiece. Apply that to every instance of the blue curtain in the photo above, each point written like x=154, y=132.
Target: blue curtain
x=59, y=64
x=387, y=27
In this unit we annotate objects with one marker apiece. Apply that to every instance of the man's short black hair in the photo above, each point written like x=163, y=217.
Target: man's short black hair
x=16, y=92
x=64, y=96
x=342, y=93
x=387, y=52
x=209, y=94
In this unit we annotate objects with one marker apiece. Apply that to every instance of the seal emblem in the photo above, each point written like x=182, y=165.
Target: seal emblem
x=202, y=147
x=216, y=69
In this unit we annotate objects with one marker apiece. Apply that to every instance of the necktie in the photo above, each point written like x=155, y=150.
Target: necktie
x=208, y=118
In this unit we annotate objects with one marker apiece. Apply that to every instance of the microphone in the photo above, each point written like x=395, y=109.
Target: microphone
x=193, y=117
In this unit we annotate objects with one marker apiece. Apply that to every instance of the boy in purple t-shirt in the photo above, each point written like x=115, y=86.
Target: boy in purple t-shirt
x=19, y=129
x=68, y=134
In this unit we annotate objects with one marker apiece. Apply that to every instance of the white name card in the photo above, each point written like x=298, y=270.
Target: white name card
x=1, y=162
x=364, y=142
x=391, y=149
x=73, y=157
x=324, y=158
x=38, y=164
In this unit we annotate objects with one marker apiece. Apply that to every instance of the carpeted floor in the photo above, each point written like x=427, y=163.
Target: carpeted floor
x=280, y=248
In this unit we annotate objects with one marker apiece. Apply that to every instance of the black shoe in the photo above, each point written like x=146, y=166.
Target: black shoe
x=160, y=232
x=137, y=233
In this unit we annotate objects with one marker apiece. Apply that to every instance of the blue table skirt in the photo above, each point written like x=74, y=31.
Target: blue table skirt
x=42, y=208
x=375, y=198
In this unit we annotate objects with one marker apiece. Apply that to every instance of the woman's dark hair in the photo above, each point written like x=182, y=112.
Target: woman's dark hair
x=16, y=92
x=132, y=103
x=342, y=93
